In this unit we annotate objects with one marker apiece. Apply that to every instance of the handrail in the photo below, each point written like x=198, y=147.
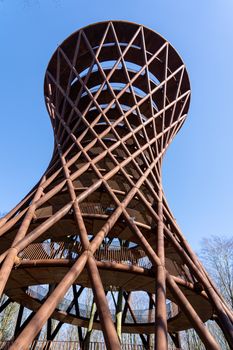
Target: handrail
x=139, y=315
x=71, y=251
x=71, y=345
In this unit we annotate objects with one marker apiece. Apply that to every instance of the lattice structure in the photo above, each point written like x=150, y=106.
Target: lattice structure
x=117, y=93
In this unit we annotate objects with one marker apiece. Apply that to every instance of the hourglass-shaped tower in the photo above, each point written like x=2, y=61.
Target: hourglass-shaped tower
x=97, y=224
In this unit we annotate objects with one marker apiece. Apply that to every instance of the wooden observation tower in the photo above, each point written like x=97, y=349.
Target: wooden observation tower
x=97, y=223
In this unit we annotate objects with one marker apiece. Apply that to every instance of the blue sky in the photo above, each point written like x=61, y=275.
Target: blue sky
x=197, y=171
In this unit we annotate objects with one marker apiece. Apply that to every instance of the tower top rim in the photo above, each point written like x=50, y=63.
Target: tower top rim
x=146, y=50
x=130, y=23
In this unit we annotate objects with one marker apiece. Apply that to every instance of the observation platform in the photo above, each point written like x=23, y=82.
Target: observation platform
x=46, y=263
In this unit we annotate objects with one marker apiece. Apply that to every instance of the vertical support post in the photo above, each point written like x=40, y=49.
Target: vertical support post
x=49, y=329
x=160, y=288
x=176, y=339
x=76, y=296
x=19, y=320
x=150, y=317
x=119, y=313
x=90, y=325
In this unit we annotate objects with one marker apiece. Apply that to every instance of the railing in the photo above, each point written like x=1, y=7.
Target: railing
x=139, y=315
x=95, y=208
x=98, y=209
x=72, y=345
x=71, y=251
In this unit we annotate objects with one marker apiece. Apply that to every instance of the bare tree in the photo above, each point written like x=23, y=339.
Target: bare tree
x=7, y=319
x=217, y=256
